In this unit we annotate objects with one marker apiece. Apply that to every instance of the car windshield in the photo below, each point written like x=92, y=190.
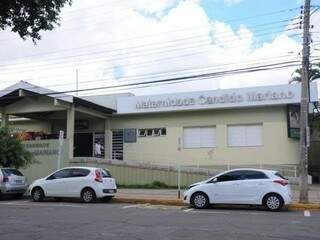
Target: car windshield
x=8, y=172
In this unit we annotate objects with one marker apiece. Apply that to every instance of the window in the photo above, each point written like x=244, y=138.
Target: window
x=254, y=175
x=149, y=132
x=142, y=132
x=199, y=137
x=64, y=173
x=106, y=173
x=245, y=135
x=79, y=172
x=230, y=176
x=152, y=132
x=8, y=172
x=156, y=132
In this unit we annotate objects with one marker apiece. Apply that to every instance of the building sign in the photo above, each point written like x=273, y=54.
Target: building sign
x=210, y=100
x=41, y=148
x=229, y=98
x=293, y=117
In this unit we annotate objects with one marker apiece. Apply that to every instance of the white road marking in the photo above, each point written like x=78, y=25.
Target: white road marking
x=131, y=206
x=188, y=210
x=307, y=213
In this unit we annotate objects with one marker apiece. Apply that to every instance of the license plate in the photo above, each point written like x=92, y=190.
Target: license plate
x=111, y=191
x=18, y=181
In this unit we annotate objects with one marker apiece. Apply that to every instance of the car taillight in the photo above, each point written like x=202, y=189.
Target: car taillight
x=98, y=177
x=282, y=182
x=5, y=179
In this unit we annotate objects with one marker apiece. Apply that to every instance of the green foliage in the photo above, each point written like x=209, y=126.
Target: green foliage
x=12, y=152
x=314, y=73
x=29, y=17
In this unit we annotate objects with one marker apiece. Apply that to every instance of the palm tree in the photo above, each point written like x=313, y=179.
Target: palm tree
x=314, y=73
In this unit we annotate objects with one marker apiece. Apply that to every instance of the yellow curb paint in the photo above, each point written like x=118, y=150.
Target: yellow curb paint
x=176, y=202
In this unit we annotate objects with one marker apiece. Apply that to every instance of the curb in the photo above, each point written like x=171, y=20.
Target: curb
x=177, y=202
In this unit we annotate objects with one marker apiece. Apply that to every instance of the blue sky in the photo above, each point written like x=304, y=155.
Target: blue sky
x=240, y=13
x=142, y=40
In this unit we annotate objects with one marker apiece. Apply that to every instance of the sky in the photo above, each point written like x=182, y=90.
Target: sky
x=103, y=44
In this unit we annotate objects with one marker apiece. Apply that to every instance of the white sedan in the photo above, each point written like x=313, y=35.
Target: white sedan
x=241, y=186
x=88, y=183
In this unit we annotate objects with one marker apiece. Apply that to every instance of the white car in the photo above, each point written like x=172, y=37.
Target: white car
x=241, y=186
x=88, y=183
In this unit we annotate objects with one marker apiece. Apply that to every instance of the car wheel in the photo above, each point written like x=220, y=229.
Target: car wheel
x=37, y=195
x=273, y=202
x=200, y=200
x=88, y=195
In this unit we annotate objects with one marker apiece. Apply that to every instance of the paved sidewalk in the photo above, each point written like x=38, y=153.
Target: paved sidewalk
x=314, y=194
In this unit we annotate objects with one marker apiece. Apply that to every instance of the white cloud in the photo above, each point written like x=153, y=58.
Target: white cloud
x=98, y=38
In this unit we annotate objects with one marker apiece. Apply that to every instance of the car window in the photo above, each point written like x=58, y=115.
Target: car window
x=79, y=172
x=106, y=173
x=8, y=172
x=64, y=173
x=230, y=176
x=280, y=176
x=249, y=174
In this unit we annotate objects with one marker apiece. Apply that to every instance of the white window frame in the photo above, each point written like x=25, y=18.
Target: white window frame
x=200, y=144
x=246, y=142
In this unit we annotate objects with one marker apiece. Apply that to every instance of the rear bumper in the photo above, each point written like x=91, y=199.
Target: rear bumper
x=12, y=189
x=103, y=192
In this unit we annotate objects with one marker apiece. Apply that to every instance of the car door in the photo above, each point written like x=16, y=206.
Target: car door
x=252, y=185
x=77, y=181
x=225, y=188
x=54, y=185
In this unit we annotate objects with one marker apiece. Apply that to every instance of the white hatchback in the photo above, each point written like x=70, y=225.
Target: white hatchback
x=241, y=186
x=88, y=183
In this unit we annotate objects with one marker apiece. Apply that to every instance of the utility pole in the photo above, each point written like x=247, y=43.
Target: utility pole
x=304, y=107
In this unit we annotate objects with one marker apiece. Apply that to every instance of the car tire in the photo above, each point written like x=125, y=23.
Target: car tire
x=199, y=200
x=37, y=194
x=273, y=202
x=88, y=195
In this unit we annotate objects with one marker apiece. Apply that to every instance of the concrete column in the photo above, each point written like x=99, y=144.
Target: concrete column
x=107, y=140
x=4, y=119
x=70, y=129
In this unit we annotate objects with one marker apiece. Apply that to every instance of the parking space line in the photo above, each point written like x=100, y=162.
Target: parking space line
x=131, y=206
x=188, y=210
x=307, y=213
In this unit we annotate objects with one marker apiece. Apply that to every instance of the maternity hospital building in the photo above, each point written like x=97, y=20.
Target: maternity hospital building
x=256, y=126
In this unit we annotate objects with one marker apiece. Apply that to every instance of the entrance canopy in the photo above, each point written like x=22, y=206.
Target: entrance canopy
x=53, y=110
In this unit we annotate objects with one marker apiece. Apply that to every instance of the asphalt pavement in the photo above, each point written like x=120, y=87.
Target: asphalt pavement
x=23, y=219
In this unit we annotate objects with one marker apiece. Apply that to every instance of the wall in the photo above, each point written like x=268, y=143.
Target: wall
x=277, y=147
x=46, y=153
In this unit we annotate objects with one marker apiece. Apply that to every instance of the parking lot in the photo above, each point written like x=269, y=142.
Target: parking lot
x=23, y=219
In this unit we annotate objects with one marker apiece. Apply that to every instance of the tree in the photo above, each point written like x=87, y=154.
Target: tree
x=12, y=152
x=29, y=17
x=314, y=73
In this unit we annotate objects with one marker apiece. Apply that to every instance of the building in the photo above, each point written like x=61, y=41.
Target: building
x=234, y=127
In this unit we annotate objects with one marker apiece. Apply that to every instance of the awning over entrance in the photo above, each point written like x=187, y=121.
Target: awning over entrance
x=58, y=110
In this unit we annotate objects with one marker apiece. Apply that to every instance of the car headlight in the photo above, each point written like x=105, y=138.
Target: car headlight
x=191, y=186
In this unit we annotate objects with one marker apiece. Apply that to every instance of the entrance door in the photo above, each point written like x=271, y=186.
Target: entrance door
x=83, y=145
